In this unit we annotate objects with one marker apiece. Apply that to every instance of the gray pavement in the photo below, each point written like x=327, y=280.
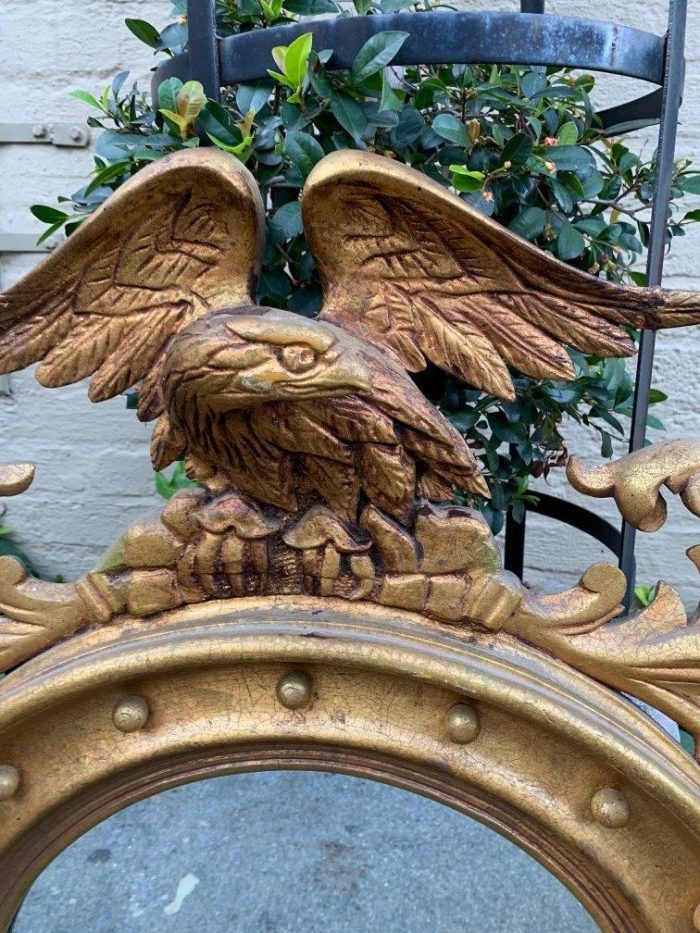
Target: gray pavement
x=290, y=852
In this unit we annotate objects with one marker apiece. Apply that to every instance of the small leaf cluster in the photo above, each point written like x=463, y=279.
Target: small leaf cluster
x=167, y=484
x=10, y=548
x=133, y=135
x=521, y=144
x=522, y=439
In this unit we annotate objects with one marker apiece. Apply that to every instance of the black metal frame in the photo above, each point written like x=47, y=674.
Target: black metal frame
x=526, y=37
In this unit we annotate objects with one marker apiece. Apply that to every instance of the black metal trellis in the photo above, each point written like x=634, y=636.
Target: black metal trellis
x=530, y=36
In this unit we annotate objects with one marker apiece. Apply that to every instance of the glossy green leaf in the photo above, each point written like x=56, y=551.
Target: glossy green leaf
x=562, y=195
x=375, y=54
x=304, y=151
x=448, y=127
x=517, y=150
x=409, y=128
x=349, y=114
x=167, y=94
x=174, y=37
x=190, y=101
x=529, y=223
x=571, y=159
x=690, y=183
x=177, y=120
x=252, y=97
x=48, y=215
x=655, y=423
x=570, y=243
x=281, y=78
x=86, y=98
x=296, y=58
x=217, y=121
x=568, y=134
x=656, y=396
x=391, y=99
x=242, y=150
x=533, y=83
x=144, y=32
x=465, y=180
x=286, y=221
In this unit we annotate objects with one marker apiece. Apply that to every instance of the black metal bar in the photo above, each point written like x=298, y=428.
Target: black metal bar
x=635, y=114
x=203, y=57
x=519, y=38
x=441, y=38
x=532, y=6
x=628, y=52
x=562, y=511
x=672, y=91
x=577, y=517
x=632, y=115
x=514, y=549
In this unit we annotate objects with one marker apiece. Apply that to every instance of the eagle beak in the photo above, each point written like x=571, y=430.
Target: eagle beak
x=344, y=374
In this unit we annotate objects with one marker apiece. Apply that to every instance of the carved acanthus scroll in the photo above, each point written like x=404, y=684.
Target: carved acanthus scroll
x=635, y=481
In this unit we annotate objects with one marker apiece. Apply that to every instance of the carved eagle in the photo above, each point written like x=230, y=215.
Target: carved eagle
x=157, y=289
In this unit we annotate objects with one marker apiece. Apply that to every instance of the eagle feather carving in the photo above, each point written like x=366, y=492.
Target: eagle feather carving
x=157, y=290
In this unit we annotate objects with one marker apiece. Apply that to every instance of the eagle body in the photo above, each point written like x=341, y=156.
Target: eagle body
x=382, y=442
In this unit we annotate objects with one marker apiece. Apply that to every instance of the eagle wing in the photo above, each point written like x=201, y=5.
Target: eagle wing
x=407, y=265
x=181, y=239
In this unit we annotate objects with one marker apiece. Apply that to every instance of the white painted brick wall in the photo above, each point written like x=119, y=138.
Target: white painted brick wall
x=93, y=474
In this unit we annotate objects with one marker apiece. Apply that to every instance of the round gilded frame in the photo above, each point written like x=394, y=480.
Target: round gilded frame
x=562, y=766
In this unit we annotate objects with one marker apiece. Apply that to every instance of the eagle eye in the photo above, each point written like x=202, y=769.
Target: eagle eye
x=298, y=358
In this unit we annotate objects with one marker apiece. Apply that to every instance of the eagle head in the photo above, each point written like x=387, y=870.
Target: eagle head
x=240, y=360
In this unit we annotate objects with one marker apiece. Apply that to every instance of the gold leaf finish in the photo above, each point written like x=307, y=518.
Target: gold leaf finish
x=387, y=697
x=179, y=241
x=653, y=654
x=287, y=410
x=15, y=478
x=318, y=456
x=406, y=263
x=315, y=601
x=36, y=614
x=635, y=481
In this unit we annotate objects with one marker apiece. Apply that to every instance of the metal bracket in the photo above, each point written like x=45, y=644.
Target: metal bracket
x=27, y=243
x=55, y=134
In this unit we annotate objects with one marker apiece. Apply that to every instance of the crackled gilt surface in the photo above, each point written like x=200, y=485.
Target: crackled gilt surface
x=73, y=445
x=322, y=469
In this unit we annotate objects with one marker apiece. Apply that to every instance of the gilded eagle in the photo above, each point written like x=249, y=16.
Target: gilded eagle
x=156, y=290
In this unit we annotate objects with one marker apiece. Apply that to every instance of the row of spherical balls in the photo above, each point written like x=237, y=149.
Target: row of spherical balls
x=294, y=691
x=609, y=806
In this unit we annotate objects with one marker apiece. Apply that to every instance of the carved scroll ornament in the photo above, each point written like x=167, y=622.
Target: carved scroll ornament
x=323, y=470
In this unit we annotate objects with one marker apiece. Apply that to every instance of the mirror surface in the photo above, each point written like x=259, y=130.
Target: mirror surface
x=286, y=852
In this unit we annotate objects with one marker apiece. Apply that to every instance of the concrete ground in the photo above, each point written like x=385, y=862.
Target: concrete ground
x=290, y=852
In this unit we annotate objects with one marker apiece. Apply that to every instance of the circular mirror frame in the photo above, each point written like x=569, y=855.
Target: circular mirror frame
x=562, y=766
